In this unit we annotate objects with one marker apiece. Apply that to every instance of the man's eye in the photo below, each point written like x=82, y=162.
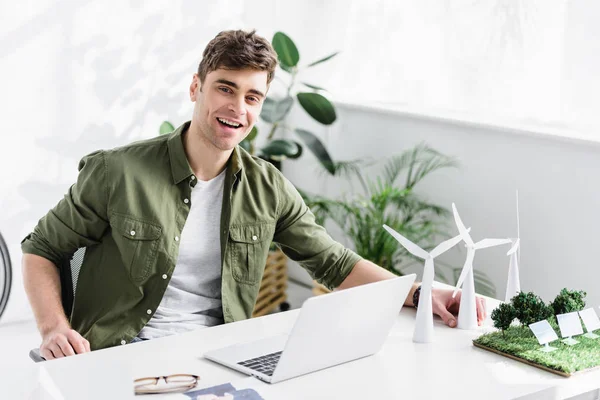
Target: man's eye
x=253, y=99
x=225, y=89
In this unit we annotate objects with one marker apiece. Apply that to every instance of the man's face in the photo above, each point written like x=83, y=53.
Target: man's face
x=227, y=105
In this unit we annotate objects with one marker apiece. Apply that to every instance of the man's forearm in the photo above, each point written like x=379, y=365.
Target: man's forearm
x=367, y=272
x=42, y=284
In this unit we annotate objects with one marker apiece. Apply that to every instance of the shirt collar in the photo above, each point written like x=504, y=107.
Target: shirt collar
x=180, y=167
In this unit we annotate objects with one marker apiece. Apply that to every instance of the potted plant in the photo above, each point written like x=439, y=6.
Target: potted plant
x=276, y=109
x=391, y=199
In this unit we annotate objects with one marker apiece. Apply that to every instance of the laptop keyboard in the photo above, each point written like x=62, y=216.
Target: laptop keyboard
x=264, y=364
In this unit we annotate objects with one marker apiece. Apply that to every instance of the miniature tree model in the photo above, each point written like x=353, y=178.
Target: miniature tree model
x=530, y=308
x=568, y=301
x=503, y=316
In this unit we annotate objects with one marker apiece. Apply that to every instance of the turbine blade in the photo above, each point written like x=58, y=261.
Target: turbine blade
x=407, y=244
x=463, y=274
x=461, y=227
x=485, y=243
x=447, y=245
x=518, y=224
x=514, y=248
x=518, y=228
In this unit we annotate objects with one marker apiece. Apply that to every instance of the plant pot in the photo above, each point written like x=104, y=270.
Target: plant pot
x=271, y=294
x=319, y=289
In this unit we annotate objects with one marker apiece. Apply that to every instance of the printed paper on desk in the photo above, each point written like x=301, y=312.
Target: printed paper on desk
x=569, y=324
x=590, y=319
x=225, y=391
x=543, y=332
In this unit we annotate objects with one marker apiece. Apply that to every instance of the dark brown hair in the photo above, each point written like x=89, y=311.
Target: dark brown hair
x=238, y=50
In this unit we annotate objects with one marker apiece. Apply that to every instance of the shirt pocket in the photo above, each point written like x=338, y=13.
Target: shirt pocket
x=248, y=248
x=137, y=242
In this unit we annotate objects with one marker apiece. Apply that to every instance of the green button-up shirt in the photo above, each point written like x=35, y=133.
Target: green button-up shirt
x=127, y=209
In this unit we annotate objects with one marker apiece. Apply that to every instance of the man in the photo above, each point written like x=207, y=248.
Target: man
x=177, y=228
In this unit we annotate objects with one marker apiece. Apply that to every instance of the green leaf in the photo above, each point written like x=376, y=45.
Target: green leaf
x=252, y=135
x=276, y=110
x=483, y=285
x=318, y=149
x=286, y=68
x=165, y=127
x=245, y=144
x=323, y=59
x=419, y=162
x=281, y=148
x=317, y=107
x=312, y=86
x=287, y=52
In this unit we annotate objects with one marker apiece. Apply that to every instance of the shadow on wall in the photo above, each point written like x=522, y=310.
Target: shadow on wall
x=117, y=84
x=124, y=72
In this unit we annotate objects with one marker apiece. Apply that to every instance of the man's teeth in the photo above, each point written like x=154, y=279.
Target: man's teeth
x=228, y=122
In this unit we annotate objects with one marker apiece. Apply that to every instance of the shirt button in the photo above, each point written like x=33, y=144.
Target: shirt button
x=164, y=276
x=192, y=178
x=123, y=342
x=132, y=233
x=177, y=238
x=148, y=311
x=186, y=201
x=254, y=237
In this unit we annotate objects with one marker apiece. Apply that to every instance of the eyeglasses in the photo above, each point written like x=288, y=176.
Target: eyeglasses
x=173, y=383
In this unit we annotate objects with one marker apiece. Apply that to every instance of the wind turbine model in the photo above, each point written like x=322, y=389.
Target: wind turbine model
x=513, y=285
x=467, y=312
x=424, y=325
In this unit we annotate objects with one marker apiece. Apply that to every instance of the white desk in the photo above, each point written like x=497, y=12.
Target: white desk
x=450, y=368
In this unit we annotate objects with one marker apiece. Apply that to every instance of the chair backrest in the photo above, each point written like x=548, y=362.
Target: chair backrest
x=68, y=283
x=68, y=279
x=5, y=275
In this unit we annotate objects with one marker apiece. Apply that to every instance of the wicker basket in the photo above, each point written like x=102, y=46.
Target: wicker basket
x=273, y=285
x=319, y=289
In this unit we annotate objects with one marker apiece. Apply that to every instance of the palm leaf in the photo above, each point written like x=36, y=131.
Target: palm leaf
x=350, y=169
x=418, y=162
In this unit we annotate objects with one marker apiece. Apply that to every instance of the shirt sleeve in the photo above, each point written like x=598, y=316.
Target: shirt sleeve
x=78, y=220
x=306, y=242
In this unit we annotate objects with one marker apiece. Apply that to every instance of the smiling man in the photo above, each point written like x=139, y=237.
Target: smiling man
x=177, y=228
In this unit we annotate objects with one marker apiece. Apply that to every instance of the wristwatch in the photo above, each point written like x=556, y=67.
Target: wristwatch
x=416, y=296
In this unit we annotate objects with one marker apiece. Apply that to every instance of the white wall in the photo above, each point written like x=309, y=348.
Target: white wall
x=556, y=178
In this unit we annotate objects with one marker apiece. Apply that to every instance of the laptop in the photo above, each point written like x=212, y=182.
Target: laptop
x=331, y=329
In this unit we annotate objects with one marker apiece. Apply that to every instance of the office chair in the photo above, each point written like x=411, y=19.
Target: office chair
x=6, y=274
x=68, y=284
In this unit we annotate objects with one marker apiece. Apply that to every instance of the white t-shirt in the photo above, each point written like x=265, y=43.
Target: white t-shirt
x=192, y=299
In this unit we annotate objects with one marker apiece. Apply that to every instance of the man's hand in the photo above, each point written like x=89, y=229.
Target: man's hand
x=62, y=342
x=447, y=307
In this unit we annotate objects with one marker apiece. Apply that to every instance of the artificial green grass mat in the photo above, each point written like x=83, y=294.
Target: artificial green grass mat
x=520, y=342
